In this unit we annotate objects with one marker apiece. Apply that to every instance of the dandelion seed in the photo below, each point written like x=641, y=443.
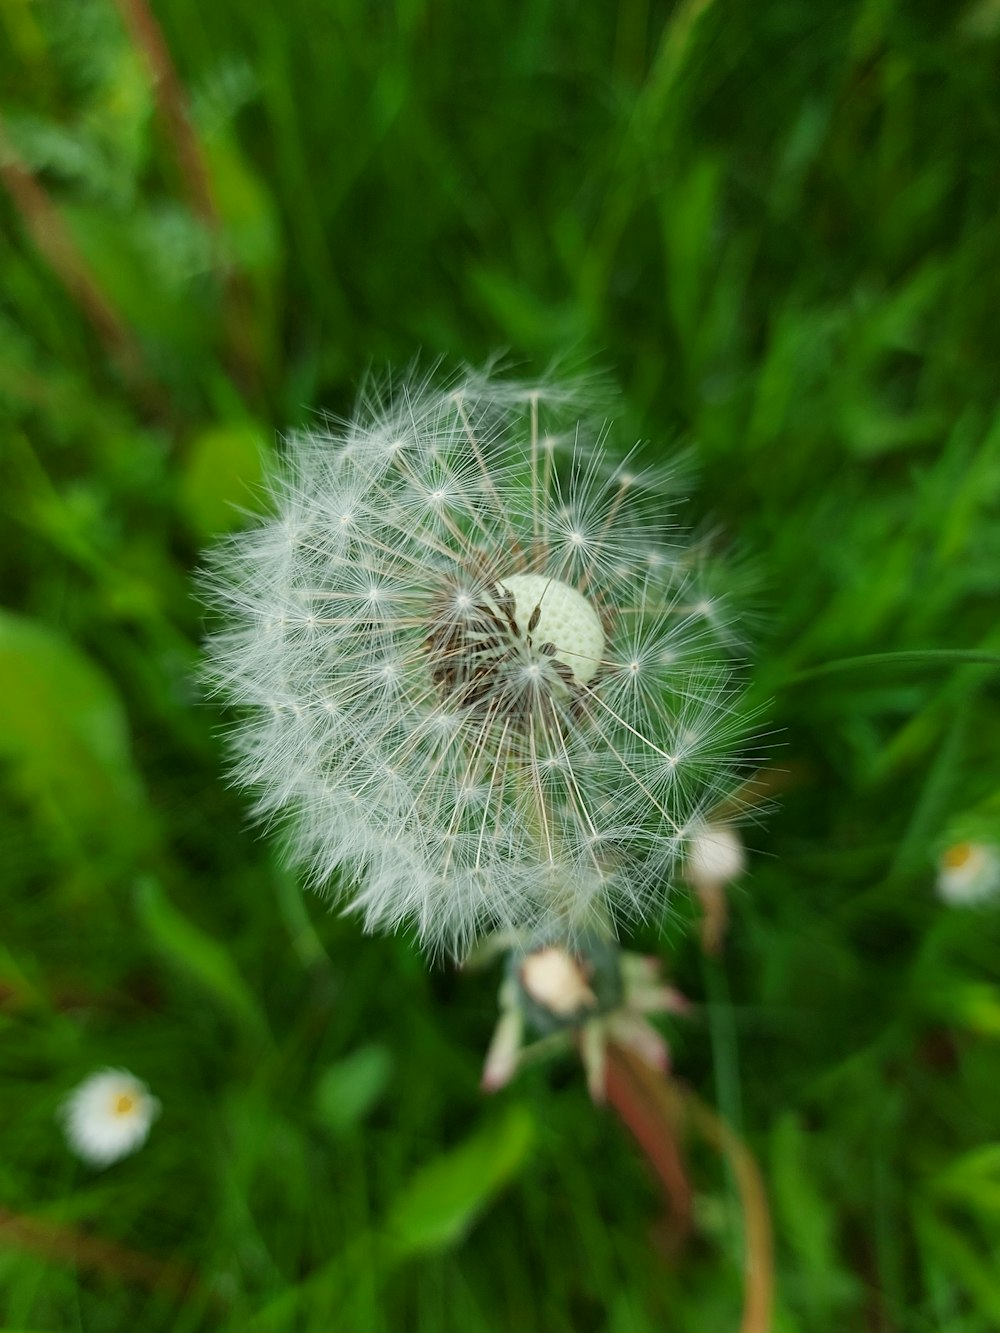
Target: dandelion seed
x=483, y=701
x=108, y=1116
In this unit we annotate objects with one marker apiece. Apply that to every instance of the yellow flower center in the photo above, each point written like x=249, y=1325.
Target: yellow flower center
x=958, y=855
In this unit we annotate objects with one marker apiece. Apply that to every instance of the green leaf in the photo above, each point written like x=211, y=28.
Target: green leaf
x=445, y=1197
x=974, y=1005
x=245, y=203
x=347, y=1090
x=974, y=1179
x=221, y=475
x=690, y=235
x=957, y=1252
x=206, y=960
x=64, y=730
x=804, y=1216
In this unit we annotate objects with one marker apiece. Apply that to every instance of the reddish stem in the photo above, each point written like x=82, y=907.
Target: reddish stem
x=653, y=1131
x=171, y=102
x=174, y=110
x=59, y=1243
x=55, y=243
x=652, y=1107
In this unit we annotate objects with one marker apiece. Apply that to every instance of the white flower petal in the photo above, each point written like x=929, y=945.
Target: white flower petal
x=108, y=1116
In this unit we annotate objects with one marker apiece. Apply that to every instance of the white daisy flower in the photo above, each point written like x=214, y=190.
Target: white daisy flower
x=969, y=873
x=475, y=672
x=108, y=1116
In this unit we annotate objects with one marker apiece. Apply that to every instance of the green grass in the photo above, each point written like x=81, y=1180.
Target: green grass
x=775, y=226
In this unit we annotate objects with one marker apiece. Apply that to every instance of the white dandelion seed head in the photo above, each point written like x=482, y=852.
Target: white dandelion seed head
x=108, y=1116
x=469, y=672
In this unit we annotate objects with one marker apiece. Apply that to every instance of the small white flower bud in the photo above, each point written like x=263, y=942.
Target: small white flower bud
x=556, y=980
x=715, y=855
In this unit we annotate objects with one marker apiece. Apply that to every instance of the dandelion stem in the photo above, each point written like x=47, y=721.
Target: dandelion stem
x=654, y=1128
x=641, y=1095
x=758, y=1262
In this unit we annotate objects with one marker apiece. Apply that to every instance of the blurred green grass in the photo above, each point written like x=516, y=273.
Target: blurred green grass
x=776, y=226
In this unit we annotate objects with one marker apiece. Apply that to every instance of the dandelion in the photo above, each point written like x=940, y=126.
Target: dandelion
x=108, y=1116
x=591, y=995
x=478, y=671
x=969, y=873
